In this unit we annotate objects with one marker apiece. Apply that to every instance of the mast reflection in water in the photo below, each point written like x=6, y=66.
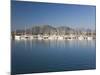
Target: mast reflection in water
x=34, y=56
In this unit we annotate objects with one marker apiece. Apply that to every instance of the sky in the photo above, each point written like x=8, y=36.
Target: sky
x=28, y=14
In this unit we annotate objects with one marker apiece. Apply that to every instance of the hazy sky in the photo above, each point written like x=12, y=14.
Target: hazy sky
x=35, y=13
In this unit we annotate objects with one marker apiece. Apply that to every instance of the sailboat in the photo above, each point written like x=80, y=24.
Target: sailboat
x=24, y=37
x=31, y=35
x=90, y=37
x=17, y=37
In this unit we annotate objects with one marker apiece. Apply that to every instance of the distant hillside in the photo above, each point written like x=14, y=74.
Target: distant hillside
x=49, y=30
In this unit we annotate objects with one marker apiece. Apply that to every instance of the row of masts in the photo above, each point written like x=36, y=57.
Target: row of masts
x=70, y=36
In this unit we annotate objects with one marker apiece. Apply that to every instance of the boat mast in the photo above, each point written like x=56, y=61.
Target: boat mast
x=25, y=30
x=15, y=32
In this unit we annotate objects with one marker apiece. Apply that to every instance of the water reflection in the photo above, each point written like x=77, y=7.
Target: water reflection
x=57, y=43
x=52, y=55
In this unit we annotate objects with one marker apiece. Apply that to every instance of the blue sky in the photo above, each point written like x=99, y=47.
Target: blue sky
x=34, y=13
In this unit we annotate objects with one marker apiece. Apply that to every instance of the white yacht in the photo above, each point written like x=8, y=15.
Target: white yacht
x=45, y=36
x=50, y=37
x=31, y=37
x=17, y=37
x=53, y=37
x=23, y=37
x=89, y=38
x=81, y=38
x=60, y=38
x=40, y=37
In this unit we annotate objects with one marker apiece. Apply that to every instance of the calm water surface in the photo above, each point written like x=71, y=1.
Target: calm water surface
x=34, y=56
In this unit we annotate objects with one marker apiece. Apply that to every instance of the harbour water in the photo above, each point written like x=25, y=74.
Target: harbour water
x=35, y=56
